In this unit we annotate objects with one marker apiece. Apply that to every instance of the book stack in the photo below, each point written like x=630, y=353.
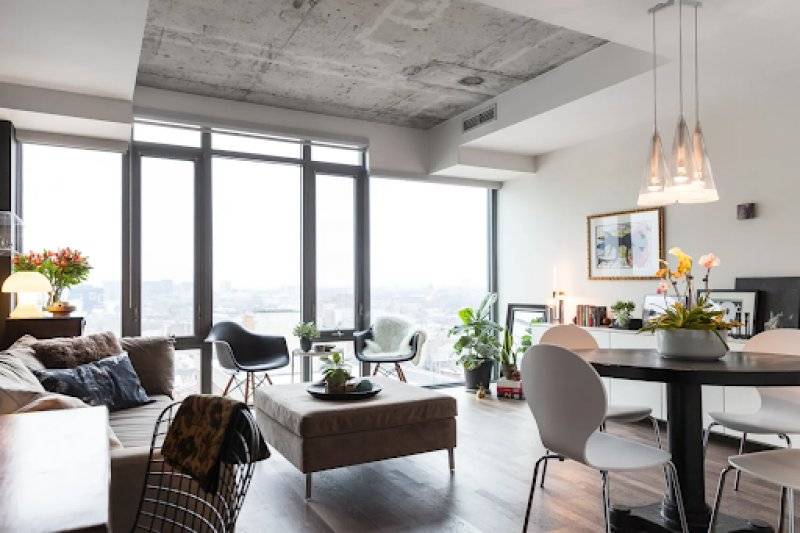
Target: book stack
x=590, y=315
x=507, y=388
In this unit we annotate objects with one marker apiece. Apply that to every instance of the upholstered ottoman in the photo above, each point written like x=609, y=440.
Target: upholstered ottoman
x=317, y=435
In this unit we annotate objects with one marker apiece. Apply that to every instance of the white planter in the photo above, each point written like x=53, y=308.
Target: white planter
x=691, y=344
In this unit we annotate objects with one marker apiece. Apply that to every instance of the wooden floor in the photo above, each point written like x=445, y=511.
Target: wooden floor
x=497, y=447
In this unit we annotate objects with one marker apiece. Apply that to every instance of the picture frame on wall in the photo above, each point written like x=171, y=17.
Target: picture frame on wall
x=625, y=245
x=656, y=304
x=520, y=316
x=739, y=306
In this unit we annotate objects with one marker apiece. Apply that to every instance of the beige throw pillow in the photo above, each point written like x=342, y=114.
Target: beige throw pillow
x=153, y=359
x=69, y=352
x=18, y=385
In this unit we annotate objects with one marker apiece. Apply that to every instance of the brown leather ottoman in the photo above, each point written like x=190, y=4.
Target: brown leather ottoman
x=317, y=435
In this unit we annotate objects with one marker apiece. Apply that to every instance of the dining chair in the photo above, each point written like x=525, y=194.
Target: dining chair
x=239, y=350
x=779, y=467
x=779, y=413
x=573, y=337
x=568, y=401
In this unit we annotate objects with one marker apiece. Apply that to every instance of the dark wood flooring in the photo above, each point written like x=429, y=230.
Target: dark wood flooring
x=497, y=447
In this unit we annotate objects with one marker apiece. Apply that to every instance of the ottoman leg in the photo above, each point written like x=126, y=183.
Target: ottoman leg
x=308, y=486
x=451, y=456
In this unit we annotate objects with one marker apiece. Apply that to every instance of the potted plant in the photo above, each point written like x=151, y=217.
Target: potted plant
x=622, y=313
x=477, y=345
x=305, y=331
x=336, y=374
x=691, y=328
x=64, y=269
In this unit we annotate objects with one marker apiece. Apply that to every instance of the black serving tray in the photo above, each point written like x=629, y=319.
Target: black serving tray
x=317, y=390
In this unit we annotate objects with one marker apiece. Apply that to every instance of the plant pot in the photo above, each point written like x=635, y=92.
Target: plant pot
x=692, y=344
x=480, y=376
x=331, y=388
x=622, y=321
x=305, y=344
x=509, y=371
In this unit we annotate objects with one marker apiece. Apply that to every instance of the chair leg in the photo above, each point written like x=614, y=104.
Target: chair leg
x=657, y=431
x=246, y=387
x=718, y=499
x=674, y=482
x=782, y=511
x=741, y=451
x=606, y=502
x=228, y=386
x=544, y=469
x=400, y=373
x=706, y=434
x=308, y=486
x=269, y=379
x=533, y=488
x=451, y=459
x=790, y=505
x=377, y=366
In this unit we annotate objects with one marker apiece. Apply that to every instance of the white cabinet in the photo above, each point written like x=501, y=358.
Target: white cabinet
x=632, y=392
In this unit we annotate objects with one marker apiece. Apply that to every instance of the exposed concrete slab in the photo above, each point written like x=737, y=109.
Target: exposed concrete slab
x=390, y=61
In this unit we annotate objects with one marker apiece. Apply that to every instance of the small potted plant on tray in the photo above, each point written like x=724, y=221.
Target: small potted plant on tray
x=336, y=374
x=692, y=328
x=306, y=331
x=477, y=345
x=622, y=313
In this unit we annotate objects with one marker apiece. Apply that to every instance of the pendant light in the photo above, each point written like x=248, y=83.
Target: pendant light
x=702, y=188
x=656, y=176
x=681, y=160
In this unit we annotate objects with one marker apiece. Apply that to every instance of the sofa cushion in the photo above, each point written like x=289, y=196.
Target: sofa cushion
x=134, y=426
x=18, y=385
x=153, y=358
x=111, y=381
x=69, y=352
x=398, y=404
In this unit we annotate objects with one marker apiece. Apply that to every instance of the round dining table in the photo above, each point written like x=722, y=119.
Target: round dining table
x=683, y=379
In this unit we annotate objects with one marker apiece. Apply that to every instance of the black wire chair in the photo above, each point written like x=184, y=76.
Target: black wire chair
x=174, y=501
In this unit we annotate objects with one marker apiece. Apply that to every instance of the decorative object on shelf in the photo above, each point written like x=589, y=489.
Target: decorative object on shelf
x=778, y=301
x=336, y=374
x=510, y=388
x=477, y=344
x=746, y=211
x=521, y=316
x=690, y=328
x=360, y=390
x=305, y=331
x=625, y=245
x=25, y=285
x=64, y=269
x=322, y=347
x=738, y=306
x=590, y=316
x=481, y=394
x=10, y=233
x=656, y=304
x=690, y=178
x=622, y=313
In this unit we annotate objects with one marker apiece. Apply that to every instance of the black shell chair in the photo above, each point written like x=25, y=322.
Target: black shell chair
x=173, y=501
x=240, y=350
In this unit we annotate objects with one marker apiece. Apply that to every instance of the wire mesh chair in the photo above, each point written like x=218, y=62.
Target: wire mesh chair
x=174, y=501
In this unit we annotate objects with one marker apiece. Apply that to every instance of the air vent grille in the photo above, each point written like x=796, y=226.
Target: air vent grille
x=487, y=115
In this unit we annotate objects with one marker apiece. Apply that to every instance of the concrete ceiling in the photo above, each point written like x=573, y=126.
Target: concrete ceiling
x=392, y=61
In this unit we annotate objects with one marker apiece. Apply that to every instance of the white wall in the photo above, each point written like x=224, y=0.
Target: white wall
x=753, y=143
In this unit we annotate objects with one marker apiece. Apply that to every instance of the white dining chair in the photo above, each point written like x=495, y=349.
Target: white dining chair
x=779, y=467
x=573, y=338
x=779, y=413
x=568, y=401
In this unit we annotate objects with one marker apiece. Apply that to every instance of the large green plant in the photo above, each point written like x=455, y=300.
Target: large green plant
x=477, y=334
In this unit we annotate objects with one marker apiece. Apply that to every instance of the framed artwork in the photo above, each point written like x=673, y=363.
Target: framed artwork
x=656, y=304
x=520, y=316
x=778, y=303
x=625, y=244
x=739, y=306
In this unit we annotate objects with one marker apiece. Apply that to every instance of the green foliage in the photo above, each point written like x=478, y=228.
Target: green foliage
x=335, y=372
x=64, y=268
x=477, y=335
x=623, y=307
x=508, y=355
x=701, y=316
x=306, y=330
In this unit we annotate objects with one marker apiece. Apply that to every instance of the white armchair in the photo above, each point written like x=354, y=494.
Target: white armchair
x=390, y=340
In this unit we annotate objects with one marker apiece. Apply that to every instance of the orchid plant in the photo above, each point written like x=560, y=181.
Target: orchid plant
x=692, y=311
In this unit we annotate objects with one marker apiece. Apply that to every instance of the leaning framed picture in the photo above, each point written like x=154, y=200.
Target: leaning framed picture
x=626, y=244
x=738, y=306
x=520, y=316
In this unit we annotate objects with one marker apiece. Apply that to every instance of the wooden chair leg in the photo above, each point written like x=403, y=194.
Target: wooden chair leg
x=400, y=374
x=269, y=379
x=228, y=386
x=375, y=372
x=246, y=387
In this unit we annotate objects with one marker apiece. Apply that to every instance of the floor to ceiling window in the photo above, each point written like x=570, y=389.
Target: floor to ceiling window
x=71, y=198
x=429, y=258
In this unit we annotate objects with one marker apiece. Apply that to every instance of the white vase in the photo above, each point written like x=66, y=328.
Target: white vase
x=692, y=344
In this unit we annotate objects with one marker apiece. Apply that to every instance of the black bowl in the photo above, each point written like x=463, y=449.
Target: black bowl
x=317, y=390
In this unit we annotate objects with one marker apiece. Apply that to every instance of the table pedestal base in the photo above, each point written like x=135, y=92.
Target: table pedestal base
x=648, y=519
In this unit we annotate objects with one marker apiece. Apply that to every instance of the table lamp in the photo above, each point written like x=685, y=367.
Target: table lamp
x=23, y=283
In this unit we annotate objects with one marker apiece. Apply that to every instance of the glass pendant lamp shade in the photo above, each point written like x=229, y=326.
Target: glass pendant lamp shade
x=702, y=188
x=681, y=156
x=656, y=176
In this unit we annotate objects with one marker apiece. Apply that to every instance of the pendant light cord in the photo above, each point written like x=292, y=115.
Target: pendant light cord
x=680, y=53
x=696, y=70
x=655, y=79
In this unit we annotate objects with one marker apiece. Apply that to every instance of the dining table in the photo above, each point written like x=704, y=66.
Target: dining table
x=683, y=379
